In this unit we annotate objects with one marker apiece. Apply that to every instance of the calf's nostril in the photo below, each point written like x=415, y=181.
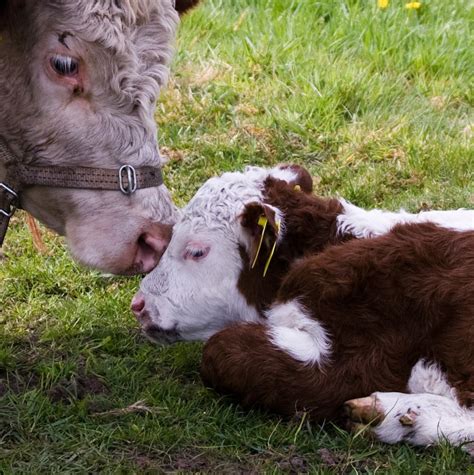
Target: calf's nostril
x=138, y=303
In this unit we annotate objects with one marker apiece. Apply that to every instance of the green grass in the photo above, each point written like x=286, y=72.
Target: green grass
x=377, y=104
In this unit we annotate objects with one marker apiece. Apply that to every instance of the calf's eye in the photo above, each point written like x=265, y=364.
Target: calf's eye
x=64, y=65
x=196, y=253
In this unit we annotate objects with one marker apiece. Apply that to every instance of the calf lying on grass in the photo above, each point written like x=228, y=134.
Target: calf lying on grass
x=334, y=318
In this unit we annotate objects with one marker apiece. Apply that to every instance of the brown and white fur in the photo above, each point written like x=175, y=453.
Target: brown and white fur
x=336, y=317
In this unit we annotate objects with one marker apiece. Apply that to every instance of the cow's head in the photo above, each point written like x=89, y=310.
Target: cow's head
x=212, y=272
x=78, y=85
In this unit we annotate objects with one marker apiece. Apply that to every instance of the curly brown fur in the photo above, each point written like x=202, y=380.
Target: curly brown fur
x=386, y=303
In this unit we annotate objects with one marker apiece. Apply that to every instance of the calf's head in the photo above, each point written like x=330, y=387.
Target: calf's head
x=212, y=271
x=78, y=85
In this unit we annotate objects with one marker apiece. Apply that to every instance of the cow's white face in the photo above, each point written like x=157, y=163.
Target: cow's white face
x=194, y=291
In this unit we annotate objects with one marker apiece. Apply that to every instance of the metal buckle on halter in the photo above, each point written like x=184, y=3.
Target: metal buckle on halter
x=129, y=172
x=14, y=202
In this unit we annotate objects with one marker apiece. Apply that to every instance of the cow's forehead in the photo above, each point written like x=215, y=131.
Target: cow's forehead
x=125, y=27
x=105, y=21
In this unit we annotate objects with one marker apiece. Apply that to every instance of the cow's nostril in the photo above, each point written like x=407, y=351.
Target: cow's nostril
x=138, y=303
x=151, y=245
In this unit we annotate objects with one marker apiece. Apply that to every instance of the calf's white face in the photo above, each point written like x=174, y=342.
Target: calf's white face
x=193, y=292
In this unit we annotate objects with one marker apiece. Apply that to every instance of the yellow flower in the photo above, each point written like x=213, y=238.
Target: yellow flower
x=383, y=4
x=413, y=5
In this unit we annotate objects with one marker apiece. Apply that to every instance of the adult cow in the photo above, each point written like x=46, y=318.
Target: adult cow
x=78, y=85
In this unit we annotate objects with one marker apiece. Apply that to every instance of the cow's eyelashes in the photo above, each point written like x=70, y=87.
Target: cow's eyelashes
x=64, y=65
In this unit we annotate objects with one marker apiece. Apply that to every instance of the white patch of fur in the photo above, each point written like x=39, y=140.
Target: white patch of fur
x=285, y=174
x=435, y=419
x=369, y=223
x=298, y=334
x=428, y=378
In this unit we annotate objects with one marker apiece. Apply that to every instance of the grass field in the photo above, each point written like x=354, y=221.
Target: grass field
x=376, y=103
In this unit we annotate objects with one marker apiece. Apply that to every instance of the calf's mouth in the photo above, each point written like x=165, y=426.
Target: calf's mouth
x=156, y=334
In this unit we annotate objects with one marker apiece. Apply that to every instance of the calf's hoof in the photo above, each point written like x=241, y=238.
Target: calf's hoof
x=368, y=415
x=363, y=411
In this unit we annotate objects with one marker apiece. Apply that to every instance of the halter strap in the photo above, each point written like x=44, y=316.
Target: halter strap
x=125, y=179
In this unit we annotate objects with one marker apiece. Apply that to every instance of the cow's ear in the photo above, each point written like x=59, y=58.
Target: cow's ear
x=296, y=176
x=262, y=227
x=182, y=6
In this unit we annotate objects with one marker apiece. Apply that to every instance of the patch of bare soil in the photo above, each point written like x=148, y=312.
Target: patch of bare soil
x=188, y=461
x=77, y=387
x=210, y=462
x=16, y=382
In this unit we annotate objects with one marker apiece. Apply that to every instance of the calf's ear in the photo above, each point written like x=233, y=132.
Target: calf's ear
x=182, y=6
x=262, y=228
x=298, y=177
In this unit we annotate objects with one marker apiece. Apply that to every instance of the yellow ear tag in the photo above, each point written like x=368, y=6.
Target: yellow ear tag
x=297, y=188
x=267, y=264
x=262, y=221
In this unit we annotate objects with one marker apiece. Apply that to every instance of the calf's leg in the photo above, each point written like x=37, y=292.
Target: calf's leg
x=242, y=361
x=419, y=419
x=430, y=414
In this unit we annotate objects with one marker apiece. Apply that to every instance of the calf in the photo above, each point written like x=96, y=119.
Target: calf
x=328, y=317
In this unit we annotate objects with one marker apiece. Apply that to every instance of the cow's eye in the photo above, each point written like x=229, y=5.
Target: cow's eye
x=64, y=65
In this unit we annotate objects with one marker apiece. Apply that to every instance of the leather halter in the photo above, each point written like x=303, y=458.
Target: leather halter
x=125, y=179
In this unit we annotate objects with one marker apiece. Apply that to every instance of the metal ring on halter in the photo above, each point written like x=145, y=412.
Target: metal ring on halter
x=131, y=175
x=9, y=213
